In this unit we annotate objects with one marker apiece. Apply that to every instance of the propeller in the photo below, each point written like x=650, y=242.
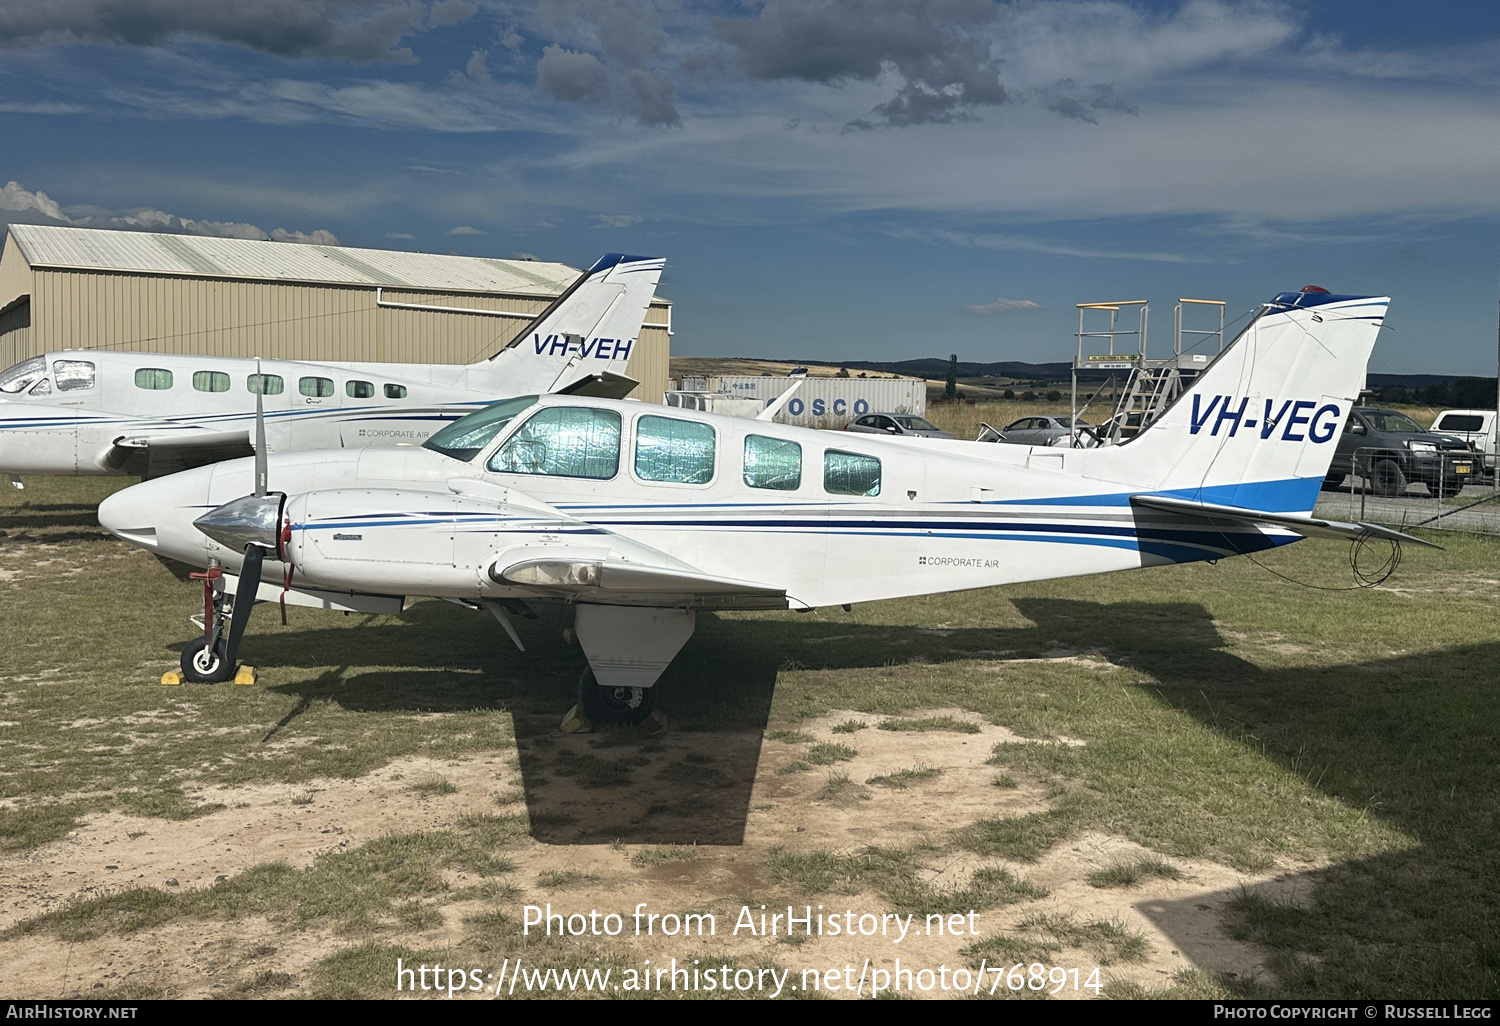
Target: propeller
x=251, y=523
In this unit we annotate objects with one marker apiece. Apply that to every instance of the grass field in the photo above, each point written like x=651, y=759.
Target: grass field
x=1091, y=762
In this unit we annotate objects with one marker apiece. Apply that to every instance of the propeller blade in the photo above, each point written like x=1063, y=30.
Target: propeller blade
x=244, y=599
x=260, y=431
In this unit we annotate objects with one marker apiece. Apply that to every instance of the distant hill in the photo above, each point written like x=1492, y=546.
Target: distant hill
x=989, y=380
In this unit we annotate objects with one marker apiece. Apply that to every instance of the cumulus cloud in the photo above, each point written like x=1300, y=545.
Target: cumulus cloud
x=451, y=12
x=400, y=235
x=616, y=220
x=1001, y=306
x=357, y=30
x=572, y=77
x=317, y=237
x=935, y=46
x=627, y=32
x=1067, y=99
x=26, y=207
x=464, y=229
x=602, y=54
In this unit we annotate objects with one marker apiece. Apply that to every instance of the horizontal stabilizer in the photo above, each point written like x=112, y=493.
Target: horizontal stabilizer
x=602, y=386
x=1306, y=526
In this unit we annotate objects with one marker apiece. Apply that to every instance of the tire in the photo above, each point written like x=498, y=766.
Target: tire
x=1387, y=478
x=612, y=705
x=200, y=666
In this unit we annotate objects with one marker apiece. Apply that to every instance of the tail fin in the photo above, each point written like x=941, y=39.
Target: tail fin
x=1258, y=428
x=588, y=332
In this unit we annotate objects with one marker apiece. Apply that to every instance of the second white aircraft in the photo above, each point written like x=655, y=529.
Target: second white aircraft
x=148, y=414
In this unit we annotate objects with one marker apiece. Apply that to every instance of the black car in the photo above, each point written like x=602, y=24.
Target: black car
x=1392, y=451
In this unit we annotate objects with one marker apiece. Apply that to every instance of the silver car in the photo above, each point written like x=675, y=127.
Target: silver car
x=896, y=424
x=1049, y=430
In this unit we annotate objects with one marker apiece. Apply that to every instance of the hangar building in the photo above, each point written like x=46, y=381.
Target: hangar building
x=87, y=288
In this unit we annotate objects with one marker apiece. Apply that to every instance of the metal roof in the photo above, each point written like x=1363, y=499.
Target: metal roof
x=198, y=256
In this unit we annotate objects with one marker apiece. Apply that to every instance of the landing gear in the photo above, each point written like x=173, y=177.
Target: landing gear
x=205, y=664
x=605, y=705
x=209, y=659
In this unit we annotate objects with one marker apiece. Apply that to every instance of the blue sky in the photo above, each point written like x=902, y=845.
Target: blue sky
x=829, y=179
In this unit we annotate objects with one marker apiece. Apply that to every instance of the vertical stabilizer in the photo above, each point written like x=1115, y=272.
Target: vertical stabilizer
x=1259, y=427
x=588, y=331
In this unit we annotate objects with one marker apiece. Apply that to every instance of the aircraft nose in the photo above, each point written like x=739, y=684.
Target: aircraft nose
x=250, y=519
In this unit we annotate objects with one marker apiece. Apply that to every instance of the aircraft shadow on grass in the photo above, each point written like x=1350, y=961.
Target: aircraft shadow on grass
x=1409, y=739
x=52, y=524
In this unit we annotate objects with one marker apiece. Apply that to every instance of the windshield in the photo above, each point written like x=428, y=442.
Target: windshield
x=1394, y=423
x=464, y=438
x=23, y=374
x=916, y=424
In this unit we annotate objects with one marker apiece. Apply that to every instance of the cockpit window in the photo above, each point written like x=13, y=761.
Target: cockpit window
x=564, y=441
x=463, y=439
x=73, y=375
x=17, y=378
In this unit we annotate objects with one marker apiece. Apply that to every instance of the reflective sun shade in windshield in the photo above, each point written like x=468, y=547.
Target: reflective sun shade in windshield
x=463, y=439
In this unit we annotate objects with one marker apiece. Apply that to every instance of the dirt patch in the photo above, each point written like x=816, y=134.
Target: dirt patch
x=689, y=822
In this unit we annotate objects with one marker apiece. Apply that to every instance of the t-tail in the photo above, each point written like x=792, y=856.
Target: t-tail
x=583, y=341
x=1258, y=428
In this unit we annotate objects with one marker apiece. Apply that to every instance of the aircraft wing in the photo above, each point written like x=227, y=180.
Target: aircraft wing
x=158, y=454
x=608, y=576
x=1308, y=526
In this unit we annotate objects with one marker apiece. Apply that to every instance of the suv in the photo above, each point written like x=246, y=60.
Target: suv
x=1474, y=426
x=1391, y=451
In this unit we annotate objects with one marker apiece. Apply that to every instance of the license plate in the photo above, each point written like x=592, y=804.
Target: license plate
x=1462, y=468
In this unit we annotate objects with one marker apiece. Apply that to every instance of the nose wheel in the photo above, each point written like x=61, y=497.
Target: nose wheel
x=209, y=659
x=203, y=663
x=623, y=705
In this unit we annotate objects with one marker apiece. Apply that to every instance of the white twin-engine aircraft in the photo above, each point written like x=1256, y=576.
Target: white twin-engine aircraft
x=150, y=414
x=639, y=515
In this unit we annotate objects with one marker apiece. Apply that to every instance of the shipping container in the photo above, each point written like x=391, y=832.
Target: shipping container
x=822, y=402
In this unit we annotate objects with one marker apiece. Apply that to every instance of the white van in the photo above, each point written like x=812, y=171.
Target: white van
x=1474, y=426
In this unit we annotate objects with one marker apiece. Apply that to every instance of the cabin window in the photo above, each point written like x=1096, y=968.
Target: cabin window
x=318, y=388
x=463, y=439
x=23, y=374
x=359, y=389
x=265, y=384
x=73, y=375
x=153, y=378
x=772, y=463
x=43, y=387
x=395, y=391
x=564, y=441
x=846, y=473
x=679, y=451
x=211, y=381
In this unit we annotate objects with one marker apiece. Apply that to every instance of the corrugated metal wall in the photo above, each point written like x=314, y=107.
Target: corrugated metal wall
x=288, y=320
